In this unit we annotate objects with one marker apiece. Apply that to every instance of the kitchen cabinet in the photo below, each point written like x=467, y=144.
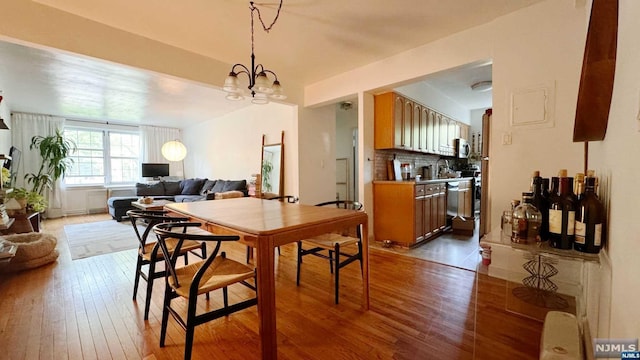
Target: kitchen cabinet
x=401, y=123
x=447, y=130
x=464, y=131
x=408, y=213
x=393, y=122
x=420, y=123
x=465, y=199
x=433, y=132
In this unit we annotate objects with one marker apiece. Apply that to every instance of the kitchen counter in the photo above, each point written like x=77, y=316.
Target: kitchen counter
x=433, y=181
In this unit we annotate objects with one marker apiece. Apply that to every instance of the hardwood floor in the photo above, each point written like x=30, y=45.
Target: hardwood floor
x=82, y=309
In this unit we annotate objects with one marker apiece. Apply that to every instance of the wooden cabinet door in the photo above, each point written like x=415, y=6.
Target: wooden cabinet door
x=419, y=213
x=407, y=124
x=457, y=129
x=464, y=132
x=434, y=123
x=419, y=131
x=444, y=134
x=451, y=135
x=428, y=213
x=464, y=202
x=398, y=121
x=442, y=207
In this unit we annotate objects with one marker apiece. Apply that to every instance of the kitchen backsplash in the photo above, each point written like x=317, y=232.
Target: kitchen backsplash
x=417, y=161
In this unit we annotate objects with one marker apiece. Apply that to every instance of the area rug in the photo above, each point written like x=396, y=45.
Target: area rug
x=97, y=238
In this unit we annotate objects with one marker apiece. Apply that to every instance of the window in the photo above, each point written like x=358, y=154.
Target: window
x=103, y=157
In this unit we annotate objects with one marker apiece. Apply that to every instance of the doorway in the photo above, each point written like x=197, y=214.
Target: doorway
x=346, y=151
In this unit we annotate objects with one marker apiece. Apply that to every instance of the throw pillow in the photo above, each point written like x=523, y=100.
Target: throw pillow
x=208, y=185
x=219, y=186
x=155, y=189
x=230, y=185
x=172, y=188
x=191, y=186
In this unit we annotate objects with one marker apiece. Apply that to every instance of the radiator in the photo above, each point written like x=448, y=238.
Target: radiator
x=96, y=201
x=560, y=337
x=111, y=192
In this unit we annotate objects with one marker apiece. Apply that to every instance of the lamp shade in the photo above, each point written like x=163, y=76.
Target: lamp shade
x=174, y=150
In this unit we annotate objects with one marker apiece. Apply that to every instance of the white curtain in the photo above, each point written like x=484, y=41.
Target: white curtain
x=24, y=127
x=152, y=139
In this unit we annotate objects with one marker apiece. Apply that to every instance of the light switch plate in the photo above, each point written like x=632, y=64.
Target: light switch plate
x=506, y=138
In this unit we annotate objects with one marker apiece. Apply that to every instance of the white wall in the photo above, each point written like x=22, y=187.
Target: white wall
x=429, y=96
x=230, y=147
x=316, y=136
x=615, y=160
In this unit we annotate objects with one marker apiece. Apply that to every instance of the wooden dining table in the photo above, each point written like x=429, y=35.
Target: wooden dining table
x=266, y=224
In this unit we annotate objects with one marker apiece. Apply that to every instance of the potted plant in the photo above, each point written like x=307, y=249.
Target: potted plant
x=29, y=200
x=267, y=166
x=6, y=177
x=54, y=151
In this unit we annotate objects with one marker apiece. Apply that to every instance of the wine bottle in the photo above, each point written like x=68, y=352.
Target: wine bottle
x=578, y=186
x=534, y=176
x=562, y=214
x=553, y=191
x=590, y=219
x=541, y=202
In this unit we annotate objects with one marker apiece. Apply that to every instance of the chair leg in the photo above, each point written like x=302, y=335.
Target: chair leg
x=137, y=278
x=360, y=257
x=165, y=315
x=150, y=277
x=204, y=250
x=186, y=258
x=279, y=251
x=337, y=266
x=249, y=250
x=299, y=263
x=190, y=328
x=225, y=296
x=331, y=261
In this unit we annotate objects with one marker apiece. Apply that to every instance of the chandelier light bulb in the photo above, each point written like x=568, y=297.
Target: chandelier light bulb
x=231, y=83
x=278, y=93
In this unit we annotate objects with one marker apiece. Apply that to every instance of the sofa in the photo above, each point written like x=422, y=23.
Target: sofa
x=179, y=191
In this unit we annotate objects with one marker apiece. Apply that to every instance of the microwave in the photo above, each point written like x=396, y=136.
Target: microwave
x=461, y=148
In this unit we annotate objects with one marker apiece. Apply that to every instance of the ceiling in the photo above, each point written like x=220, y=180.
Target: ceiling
x=312, y=40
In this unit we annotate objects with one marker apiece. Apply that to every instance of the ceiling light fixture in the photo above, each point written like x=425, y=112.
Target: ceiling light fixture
x=482, y=86
x=261, y=87
x=174, y=150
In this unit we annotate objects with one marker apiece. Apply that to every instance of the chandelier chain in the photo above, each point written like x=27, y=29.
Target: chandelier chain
x=266, y=28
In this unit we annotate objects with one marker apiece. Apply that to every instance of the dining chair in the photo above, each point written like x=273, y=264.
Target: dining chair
x=216, y=272
x=149, y=250
x=291, y=200
x=334, y=244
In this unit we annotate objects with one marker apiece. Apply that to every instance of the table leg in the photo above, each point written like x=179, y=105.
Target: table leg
x=266, y=297
x=365, y=262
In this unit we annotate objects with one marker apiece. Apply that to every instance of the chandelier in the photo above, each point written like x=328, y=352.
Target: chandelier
x=261, y=87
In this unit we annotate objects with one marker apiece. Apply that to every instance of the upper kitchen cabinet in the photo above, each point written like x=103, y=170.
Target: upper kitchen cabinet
x=392, y=122
x=401, y=123
x=464, y=131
